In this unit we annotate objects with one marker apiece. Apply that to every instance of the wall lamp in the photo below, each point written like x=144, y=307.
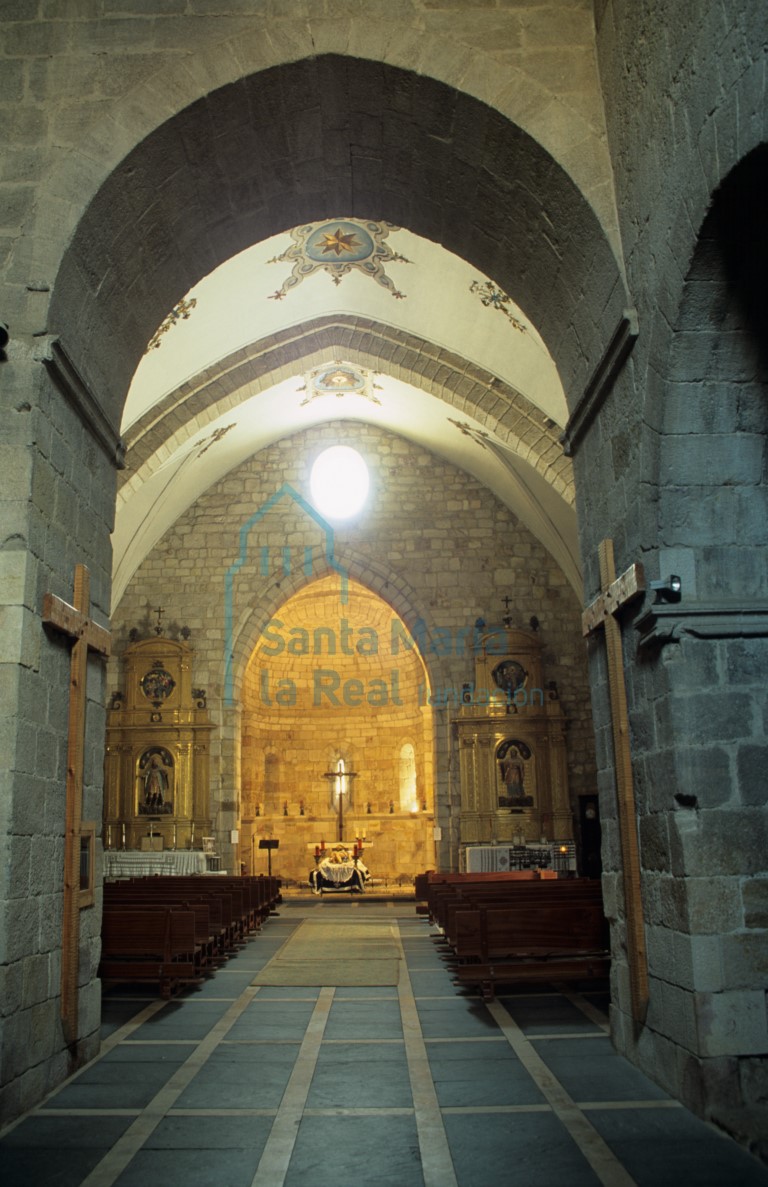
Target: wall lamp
x=669, y=589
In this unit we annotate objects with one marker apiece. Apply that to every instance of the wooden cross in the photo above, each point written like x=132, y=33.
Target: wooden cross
x=74, y=622
x=618, y=592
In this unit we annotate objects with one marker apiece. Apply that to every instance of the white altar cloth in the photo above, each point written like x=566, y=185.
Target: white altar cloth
x=133, y=863
x=340, y=872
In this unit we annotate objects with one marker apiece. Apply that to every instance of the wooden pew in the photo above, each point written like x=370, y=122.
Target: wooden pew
x=225, y=911
x=227, y=926
x=505, y=945
x=550, y=894
x=446, y=885
x=209, y=931
x=151, y=943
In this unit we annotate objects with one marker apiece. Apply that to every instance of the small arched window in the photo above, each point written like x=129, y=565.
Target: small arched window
x=409, y=800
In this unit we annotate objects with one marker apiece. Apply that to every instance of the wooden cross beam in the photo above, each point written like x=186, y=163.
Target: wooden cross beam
x=616, y=593
x=74, y=622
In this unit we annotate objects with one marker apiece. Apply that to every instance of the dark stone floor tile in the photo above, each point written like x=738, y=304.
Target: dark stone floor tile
x=388, y=1088
x=288, y=992
x=430, y=983
x=112, y=1085
x=672, y=1148
x=226, y=1084
x=530, y=1149
x=467, y=1074
x=46, y=1168
x=548, y=1015
x=372, y=1075
x=64, y=1133
x=360, y=1019
x=591, y=1070
x=377, y=992
x=183, y=1020
x=190, y=1168
x=227, y=983
x=258, y=1053
x=378, y=1151
x=272, y=1019
x=115, y=1014
x=210, y=1133
x=455, y=1018
x=160, y=1053
x=392, y=1051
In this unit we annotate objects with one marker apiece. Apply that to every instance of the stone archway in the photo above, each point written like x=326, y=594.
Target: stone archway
x=209, y=181
x=216, y=178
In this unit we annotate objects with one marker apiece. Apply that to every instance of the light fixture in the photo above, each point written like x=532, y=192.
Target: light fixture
x=669, y=589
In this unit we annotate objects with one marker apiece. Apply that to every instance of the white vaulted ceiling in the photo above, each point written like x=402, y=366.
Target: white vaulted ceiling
x=178, y=446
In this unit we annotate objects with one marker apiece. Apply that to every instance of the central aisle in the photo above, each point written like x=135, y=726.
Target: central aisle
x=413, y=1084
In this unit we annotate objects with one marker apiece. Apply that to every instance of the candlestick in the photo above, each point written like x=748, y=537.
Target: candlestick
x=109, y=836
x=123, y=836
x=174, y=835
x=192, y=836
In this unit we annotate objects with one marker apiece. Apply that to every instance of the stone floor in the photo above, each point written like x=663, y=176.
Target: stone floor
x=416, y=1085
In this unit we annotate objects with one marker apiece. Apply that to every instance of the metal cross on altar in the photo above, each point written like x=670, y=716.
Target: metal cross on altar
x=74, y=621
x=618, y=592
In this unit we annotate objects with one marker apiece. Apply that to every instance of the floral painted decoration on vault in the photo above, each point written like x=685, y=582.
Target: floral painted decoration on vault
x=495, y=298
x=337, y=247
x=179, y=313
x=339, y=379
x=479, y=436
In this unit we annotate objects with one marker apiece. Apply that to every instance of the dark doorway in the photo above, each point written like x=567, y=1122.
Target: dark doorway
x=589, y=829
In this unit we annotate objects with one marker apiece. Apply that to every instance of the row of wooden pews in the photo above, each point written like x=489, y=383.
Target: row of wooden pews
x=517, y=927
x=175, y=931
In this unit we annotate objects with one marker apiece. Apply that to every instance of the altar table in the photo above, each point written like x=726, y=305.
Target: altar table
x=133, y=863
x=339, y=875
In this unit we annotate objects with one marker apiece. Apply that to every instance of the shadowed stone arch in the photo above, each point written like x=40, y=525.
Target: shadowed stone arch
x=462, y=385
x=712, y=484
x=313, y=139
x=459, y=54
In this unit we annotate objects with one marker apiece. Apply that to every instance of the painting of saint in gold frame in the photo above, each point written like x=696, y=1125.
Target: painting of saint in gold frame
x=512, y=763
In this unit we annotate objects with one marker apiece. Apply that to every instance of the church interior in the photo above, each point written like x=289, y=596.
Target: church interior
x=384, y=475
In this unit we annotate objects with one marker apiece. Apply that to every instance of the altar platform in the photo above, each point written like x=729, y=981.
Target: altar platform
x=135, y=863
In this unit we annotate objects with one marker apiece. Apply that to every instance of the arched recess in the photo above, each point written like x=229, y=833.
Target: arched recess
x=712, y=474
x=282, y=147
x=331, y=679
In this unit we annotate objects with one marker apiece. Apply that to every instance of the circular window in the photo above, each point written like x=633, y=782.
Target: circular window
x=339, y=482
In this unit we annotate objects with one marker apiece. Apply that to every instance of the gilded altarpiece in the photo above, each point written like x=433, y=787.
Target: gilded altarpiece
x=156, y=780
x=511, y=735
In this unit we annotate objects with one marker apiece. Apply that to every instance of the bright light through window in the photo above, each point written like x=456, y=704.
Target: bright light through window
x=339, y=482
